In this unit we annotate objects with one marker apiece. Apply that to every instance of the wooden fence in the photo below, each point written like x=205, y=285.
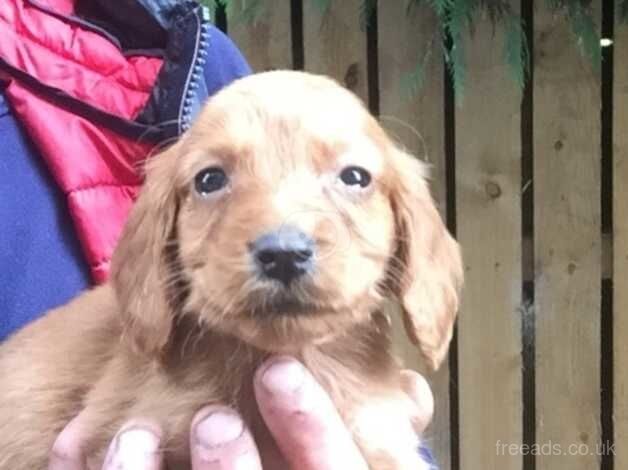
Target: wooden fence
x=533, y=186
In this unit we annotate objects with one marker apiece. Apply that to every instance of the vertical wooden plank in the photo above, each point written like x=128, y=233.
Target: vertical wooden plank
x=265, y=42
x=335, y=45
x=418, y=124
x=488, y=217
x=567, y=226
x=620, y=247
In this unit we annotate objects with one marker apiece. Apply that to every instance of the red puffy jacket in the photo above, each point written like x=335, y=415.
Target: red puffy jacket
x=97, y=100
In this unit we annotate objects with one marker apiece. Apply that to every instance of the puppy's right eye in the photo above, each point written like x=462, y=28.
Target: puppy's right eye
x=355, y=176
x=209, y=180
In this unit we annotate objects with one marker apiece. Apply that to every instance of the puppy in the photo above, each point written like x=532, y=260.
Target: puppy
x=280, y=223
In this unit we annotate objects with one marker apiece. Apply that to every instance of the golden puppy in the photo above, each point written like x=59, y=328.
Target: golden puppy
x=278, y=224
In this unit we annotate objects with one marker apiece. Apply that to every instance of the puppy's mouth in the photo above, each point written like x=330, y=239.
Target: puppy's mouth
x=283, y=320
x=284, y=304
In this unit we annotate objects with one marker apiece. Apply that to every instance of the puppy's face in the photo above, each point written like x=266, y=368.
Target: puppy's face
x=293, y=217
x=285, y=225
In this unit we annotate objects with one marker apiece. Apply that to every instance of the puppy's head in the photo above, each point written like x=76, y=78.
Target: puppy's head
x=284, y=217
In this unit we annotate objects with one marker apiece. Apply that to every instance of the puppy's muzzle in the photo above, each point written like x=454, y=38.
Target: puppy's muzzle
x=283, y=255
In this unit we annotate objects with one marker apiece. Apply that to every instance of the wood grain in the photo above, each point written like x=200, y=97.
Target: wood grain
x=417, y=122
x=567, y=240
x=488, y=217
x=266, y=42
x=334, y=44
x=620, y=248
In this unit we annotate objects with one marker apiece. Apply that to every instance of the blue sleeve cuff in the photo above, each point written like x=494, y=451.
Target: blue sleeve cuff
x=428, y=457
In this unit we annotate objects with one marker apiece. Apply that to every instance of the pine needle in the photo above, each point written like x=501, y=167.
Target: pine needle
x=516, y=52
x=456, y=25
x=622, y=9
x=322, y=6
x=367, y=9
x=587, y=36
x=412, y=82
x=459, y=20
x=246, y=11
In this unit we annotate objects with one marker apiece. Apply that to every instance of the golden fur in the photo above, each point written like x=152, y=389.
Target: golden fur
x=183, y=322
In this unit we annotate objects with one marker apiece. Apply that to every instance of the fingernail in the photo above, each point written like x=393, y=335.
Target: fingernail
x=218, y=429
x=283, y=376
x=135, y=444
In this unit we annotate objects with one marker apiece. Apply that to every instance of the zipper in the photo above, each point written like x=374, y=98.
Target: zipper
x=195, y=74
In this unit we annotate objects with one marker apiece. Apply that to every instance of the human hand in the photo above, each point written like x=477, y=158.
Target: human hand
x=304, y=422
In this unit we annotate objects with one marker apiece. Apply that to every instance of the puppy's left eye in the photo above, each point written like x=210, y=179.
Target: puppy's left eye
x=209, y=180
x=355, y=175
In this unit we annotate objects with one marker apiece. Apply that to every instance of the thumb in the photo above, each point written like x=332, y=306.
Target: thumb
x=67, y=451
x=135, y=447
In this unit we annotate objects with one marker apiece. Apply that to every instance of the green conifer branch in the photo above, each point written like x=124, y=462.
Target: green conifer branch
x=456, y=24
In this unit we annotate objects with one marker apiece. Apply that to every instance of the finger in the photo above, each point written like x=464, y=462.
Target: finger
x=220, y=441
x=302, y=418
x=67, y=452
x=419, y=391
x=135, y=447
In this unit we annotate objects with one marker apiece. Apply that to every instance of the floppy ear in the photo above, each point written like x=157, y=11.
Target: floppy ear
x=429, y=262
x=139, y=270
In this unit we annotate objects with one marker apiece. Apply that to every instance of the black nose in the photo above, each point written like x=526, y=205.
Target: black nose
x=283, y=255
